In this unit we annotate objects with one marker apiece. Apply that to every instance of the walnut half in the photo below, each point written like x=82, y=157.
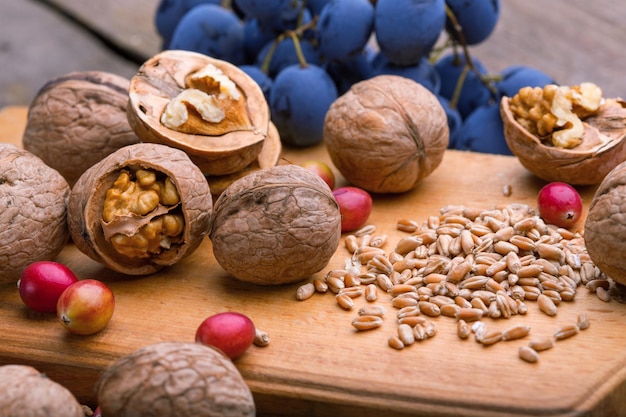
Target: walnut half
x=207, y=107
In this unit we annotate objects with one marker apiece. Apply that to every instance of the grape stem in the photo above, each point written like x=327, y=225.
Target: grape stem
x=469, y=63
x=294, y=34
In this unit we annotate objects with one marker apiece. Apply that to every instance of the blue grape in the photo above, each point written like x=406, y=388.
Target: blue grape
x=483, y=131
x=474, y=92
x=455, y=122
x=261, y=78
x=285, y=55
x=424, y=72
x=299, y=100
x=346, y=73
x=407, y=30
x=169, y=13
x=518, y=76
x=477, y=18
x=344, y=27
x=211, y=30
x=262, y=9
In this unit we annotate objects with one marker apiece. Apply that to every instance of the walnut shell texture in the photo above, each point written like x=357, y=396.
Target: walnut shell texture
x=275, y=226
x=386, y=134
x=28, y=393
x=602, y=148
x=605, y=225
x=174, y=379
x=89, y=193
x=163, y=77
x=33, y=211
x=77, y=119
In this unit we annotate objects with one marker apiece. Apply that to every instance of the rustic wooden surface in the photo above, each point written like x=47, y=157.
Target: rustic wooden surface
x=316, y=364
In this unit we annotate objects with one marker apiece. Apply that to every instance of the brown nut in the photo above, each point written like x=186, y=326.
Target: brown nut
x=605, y=225
x=596, y=148
x=28, y=393
x=275, y=226
x=174, y=379
x=143, y=207
x=207, y=107
x=33, y=211
x=386, y=134
x=77, y=119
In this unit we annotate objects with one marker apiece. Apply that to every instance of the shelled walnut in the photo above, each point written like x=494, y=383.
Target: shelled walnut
x=77, y=119
x=568, y=134
x=143, y=207
x=207, y=107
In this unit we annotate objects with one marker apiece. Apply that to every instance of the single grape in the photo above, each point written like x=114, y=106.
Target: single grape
x=262, y=9
x=423, y=72
x=285, y=55
x=482, y=131
x=211, y=30
x=169, y=13
x=347, y=73
x=518, y=76
x=261, y=78
x=407, y=30
x=474, y=92
x=344, y=27
x=299, y=100
x=477, y=18
x=455, y=122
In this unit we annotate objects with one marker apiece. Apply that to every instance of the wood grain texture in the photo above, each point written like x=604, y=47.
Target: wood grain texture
x=316, y=364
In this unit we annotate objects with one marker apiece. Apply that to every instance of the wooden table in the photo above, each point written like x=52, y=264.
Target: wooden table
x=316, y=364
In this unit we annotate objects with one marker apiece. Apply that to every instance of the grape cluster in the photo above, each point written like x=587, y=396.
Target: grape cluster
x=305, y=53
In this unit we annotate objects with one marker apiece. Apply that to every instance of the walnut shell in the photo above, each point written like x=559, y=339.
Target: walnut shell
x=602, y=147
x=174, y=379
x=33, y=211
x=231, y=147
x=28, y=393
x=275, y=226
x=269, y=157
x=77, y=119
x=386, y=134
x=605, y=225
x=88, y=198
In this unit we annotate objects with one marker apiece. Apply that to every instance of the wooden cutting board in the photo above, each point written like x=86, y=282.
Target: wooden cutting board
x=316, y=364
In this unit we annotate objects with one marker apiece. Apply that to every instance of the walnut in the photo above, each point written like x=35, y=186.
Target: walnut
x=33, y=211
x=143, y=207
x=174, y=379
x=77, y=119
x=386, y=134
x=28, y=393
x=275, y=226
x=567, y=134
x=605, y=225
x=207, y=107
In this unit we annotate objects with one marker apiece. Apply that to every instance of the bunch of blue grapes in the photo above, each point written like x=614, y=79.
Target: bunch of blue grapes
x=306, y=53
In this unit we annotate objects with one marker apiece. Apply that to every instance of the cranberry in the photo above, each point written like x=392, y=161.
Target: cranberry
x=560, y=204
x=355, y=206
x=42, y=283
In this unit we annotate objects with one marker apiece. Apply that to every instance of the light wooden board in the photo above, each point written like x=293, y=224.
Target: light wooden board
x=316, y=364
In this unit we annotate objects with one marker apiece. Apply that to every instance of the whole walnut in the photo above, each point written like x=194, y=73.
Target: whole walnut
x=33, y=211
x=143, y=207
x=275, y=226
x=174, y=379
x=605, y=225
x=386, y=134
x=28, y=393
x=77, y=119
